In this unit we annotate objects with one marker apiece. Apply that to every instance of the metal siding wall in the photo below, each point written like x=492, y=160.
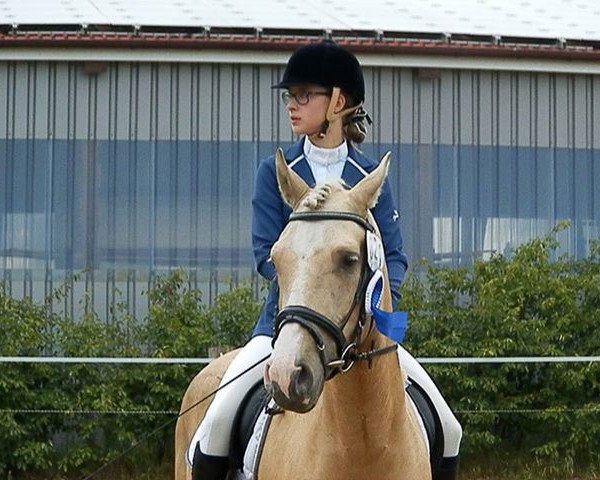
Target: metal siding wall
x=107, y=179
x=515, y=154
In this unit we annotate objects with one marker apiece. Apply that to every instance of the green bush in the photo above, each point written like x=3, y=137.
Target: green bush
x=234, y=315
x=178, y=324
x=23, y=439
x=527, y=303
x=522, y=304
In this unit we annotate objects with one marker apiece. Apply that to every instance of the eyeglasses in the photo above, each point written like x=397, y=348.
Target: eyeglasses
x=301, y=98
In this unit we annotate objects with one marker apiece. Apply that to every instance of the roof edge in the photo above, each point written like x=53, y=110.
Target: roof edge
x=20, y=46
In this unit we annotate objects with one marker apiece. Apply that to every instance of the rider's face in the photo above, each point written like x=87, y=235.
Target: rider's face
x=306, y=106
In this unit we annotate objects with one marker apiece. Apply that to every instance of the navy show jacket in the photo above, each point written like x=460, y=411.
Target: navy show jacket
x=270, y=215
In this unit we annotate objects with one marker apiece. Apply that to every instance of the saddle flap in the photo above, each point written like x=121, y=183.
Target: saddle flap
x=432, y=423
x=253, y=404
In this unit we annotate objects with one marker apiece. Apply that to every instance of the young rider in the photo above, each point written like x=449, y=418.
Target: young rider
x=323, y=93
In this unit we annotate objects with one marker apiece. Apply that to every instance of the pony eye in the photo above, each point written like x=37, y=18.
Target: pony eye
x=350, y=259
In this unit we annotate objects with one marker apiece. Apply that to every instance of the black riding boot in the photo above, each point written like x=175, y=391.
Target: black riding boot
x=208, y=467
x=448, y=469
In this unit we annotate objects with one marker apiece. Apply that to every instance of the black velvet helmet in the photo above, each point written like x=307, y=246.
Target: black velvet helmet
x=326, y=64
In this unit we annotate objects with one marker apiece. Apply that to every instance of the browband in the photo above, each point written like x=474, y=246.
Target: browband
x=329, y=215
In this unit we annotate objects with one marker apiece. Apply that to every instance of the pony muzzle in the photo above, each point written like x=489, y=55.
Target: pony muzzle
x=294, y=386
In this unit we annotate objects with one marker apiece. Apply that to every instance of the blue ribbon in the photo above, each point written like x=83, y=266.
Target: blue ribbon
x=391, y=324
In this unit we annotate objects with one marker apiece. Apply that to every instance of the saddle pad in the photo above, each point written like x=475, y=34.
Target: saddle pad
x=255, y=444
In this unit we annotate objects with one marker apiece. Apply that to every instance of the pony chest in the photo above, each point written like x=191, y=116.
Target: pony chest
x=307, y=447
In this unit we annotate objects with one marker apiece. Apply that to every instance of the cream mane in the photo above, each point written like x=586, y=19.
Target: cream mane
x=317, y=197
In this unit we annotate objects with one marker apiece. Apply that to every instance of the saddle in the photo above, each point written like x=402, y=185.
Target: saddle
x=433, y=425
x=254, y=403
x=257, y=399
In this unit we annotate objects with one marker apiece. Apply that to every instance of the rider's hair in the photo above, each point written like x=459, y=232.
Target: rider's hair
x=355, y=128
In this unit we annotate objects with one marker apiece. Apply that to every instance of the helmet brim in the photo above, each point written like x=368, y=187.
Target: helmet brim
x=288, y=84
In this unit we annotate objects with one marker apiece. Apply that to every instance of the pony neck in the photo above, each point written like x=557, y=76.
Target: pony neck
x=368, y=402
x=370, y=399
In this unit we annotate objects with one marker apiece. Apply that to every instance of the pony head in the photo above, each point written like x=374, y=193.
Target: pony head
x=322, y=272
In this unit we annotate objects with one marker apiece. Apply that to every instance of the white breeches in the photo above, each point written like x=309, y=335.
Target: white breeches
x=214, y=432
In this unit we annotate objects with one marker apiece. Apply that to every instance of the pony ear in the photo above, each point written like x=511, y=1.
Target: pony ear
x=367, y=191
x=291, y=185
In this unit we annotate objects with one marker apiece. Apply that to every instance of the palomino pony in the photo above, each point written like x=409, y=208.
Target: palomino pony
x=345, y=411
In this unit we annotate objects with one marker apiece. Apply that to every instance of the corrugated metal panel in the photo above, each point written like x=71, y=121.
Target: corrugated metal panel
x=143, y=167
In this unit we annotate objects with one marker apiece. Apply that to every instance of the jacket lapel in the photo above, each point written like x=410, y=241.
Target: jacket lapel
x=302, y=168
x=351, y=174
x=296, y=156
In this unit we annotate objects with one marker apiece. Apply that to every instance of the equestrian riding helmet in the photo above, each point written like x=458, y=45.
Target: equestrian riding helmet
x=326, y=64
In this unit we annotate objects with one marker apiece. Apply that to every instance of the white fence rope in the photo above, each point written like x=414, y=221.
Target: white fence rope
x=526, y=411
x=88, y=412
x=530, y=411
x=423, y=360
x=116, y=360
x=468, y=360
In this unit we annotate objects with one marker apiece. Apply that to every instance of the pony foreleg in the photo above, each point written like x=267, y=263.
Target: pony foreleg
x=192, y=410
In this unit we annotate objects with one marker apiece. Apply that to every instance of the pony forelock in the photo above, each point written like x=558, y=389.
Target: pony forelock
x=317, y=197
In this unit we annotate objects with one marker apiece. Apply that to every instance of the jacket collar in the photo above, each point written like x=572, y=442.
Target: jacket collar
x=353, y=172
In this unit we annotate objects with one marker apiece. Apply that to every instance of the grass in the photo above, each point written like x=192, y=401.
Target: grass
x=497, y=466
x=505, y=465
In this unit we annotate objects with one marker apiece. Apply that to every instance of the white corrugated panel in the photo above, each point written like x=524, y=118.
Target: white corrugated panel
x=579, y=19
x=50, y=12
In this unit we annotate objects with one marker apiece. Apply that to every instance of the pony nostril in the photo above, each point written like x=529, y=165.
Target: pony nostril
x=302, y=382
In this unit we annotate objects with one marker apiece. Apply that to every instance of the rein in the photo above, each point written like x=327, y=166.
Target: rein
x=313, y=322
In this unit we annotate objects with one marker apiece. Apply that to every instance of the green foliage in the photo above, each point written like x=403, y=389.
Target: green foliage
x=530, y=302
x=24, y=333
x=76, y=413
x=525, y=304
x=178, y=323
x=234, y=314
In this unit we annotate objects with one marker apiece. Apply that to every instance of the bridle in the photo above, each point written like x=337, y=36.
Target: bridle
x=315, y=323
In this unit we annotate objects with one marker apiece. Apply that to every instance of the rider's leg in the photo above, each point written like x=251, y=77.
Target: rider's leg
x=451, y=427
x=209, y=447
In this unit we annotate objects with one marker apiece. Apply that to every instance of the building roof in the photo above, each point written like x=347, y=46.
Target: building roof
x=565, y=29
x=541, y=19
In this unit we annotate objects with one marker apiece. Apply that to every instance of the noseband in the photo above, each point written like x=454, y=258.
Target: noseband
x=314, y=322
